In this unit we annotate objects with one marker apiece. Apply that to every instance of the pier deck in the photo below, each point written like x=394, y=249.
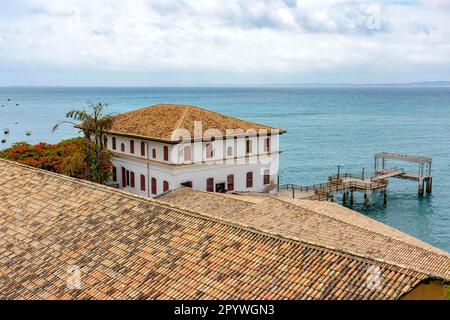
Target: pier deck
x=348, y=183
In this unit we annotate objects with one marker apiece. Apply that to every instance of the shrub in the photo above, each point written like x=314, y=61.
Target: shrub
x=66, y=157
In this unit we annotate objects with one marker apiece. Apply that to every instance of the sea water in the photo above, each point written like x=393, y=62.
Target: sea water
x=326, y=127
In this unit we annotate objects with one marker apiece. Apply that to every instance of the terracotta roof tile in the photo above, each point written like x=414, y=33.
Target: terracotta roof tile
x=128, y=247
x=325, y=224
x=158, y=122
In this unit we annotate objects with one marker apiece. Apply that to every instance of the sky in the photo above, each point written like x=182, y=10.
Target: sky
x=222, y=42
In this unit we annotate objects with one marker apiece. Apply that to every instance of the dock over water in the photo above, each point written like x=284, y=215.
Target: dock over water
x=348, y=183
x=423, y=175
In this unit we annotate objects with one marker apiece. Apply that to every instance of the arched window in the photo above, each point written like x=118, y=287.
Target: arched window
x=249, y=179
x=166, y=153
x=122, y=147
x=248, y=146
x=267, y=145
x=154, y=153
x=209, y=150
x=230, y=182
x=105, y=142
x=132, y=146
x=114, y=174
x=143, y=149
x=230, y=151
x=210, y=184
x=114, y=143
x=124, y=178
x=165, y=186
x=187, y=153
x=266, y=176
x=142, y=182
x=154, y=187
x=132, y=179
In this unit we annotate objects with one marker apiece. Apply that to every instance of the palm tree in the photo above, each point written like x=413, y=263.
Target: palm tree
x=94, y=125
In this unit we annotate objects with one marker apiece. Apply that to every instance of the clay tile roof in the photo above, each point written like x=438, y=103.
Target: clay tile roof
x=213, y=204
x=129, y=247
x=158, y=122
x=320, y=223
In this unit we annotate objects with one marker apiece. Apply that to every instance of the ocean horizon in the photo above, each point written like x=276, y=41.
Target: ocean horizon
x=326, y=127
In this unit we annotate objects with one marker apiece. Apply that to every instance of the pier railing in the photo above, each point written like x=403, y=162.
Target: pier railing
x=323, y=190
x=314, y=187
x=384, y=174
x=345, y=175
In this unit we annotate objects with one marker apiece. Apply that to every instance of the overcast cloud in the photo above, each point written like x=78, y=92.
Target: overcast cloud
x=150, y=42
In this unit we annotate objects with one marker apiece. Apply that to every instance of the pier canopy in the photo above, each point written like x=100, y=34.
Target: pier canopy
x=424, y=163
x=402, y=157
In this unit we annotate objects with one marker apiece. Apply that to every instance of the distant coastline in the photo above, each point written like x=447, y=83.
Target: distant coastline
x=422, y=84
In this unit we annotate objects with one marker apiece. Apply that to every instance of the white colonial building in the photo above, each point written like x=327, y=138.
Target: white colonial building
x=162, y=147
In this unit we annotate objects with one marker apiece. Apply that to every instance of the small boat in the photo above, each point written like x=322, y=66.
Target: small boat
x=9, y=99
x=28, y=133
x=3, y=140
x=17, y=104
x=16, y=122
x=5, y=131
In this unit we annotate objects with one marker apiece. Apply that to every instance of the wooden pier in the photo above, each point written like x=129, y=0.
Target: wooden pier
x=348, y=183
x=424, y=170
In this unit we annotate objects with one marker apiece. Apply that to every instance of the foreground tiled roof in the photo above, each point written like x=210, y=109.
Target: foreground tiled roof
x=349, y=216
x=213, y=204
x=130, y=247
x=160, y=121
x=319, y=223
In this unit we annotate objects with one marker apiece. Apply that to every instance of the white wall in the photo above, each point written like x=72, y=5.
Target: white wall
x=149, y=171
x=149, y=145
x=198, y=149
x=176, y=170
x=197, y=173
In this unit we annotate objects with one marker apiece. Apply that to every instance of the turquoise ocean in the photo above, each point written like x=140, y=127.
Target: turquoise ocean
x=326, y=127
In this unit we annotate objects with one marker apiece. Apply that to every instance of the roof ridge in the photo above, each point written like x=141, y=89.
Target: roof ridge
x=284, y=238
x=86, y=183
x=384, y=225
x=215, y=194
x=443, y=274
x=225, y=115
x=159, y=121
x=363, y=228
x=181, y=120
x=94, y=185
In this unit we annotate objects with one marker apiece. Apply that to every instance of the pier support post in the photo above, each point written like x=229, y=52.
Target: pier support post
x=420, y=190
x=351, y=199
x=331, y=198
x=366, y=199
x=293, y=192
x=429, y=184
x=344, y=198
x=385, y=197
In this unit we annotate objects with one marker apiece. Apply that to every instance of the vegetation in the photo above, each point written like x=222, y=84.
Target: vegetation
x=66, y=157
x=94, y=124
x=84, y=157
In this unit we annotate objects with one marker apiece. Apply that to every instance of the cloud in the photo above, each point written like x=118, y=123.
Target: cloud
x=224, y=37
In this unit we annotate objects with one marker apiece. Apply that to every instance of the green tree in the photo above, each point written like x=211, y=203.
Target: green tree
x=94, y=124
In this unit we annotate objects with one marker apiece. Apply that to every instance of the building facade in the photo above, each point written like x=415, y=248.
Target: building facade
x=162, y=147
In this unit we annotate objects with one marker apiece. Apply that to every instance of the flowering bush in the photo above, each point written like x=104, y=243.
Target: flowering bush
x=66, y=157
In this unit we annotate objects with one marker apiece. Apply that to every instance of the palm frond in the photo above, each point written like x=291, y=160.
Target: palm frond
x=56, y=126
